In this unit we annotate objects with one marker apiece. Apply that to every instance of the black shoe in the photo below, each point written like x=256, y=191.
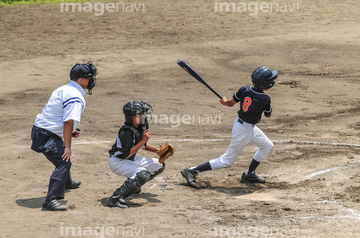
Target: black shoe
x=252, y=178
x=54, y=205
x=190, y=176
x=117, y=202
x=75, y=184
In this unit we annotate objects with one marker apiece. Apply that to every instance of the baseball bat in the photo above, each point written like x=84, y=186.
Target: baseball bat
x=193, y=73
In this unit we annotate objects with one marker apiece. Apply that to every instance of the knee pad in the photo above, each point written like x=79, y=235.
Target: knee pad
x=158, y=172
x=130, y=186
x=142, y=177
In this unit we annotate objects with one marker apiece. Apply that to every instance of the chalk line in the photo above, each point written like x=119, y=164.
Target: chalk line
x=330, y=170
x=353, y=214
x=155, y=140
x=315, y=143
x=92, y=142
x=215, y=140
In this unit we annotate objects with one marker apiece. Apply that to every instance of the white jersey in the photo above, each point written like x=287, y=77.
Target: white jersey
x=66, y=103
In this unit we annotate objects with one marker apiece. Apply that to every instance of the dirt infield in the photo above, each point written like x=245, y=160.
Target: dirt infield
x=312, y=189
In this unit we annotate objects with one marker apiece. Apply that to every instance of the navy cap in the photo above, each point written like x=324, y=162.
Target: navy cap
x=80, y=71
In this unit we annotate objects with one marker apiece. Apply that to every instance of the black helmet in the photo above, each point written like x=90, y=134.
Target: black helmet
x=263, y=77
x=85, y=71
x=135, y=108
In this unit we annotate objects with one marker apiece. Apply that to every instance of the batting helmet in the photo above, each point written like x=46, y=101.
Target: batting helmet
x=136, y=108
x=263, y=77
x=85, y=71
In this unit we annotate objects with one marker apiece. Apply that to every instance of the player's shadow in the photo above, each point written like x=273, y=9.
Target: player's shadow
x=33, y=202
x=242, y=189
x=150, y=197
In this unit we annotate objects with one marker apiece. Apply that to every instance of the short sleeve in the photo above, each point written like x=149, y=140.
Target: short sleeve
x=73, y=110
x=268, y=109
x=237, y=96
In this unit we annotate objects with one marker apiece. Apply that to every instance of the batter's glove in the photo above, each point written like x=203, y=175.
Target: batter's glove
x=165, y=151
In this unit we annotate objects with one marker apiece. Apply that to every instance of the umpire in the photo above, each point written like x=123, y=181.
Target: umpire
x=59, y=119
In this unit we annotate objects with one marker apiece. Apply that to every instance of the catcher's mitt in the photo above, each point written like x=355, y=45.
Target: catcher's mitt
x=165, y=151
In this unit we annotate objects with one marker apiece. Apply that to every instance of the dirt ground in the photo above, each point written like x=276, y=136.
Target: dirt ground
x=312, y=188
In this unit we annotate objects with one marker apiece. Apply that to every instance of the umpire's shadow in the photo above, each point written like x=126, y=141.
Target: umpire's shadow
x=150, y=197
x=31, y=202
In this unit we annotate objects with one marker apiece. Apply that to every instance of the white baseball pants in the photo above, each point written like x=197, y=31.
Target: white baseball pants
x=243, y=134
x=129, y=168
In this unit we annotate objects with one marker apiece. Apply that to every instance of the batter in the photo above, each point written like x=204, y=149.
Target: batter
x=253, y=103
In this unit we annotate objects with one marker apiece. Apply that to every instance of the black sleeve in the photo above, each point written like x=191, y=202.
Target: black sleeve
x=268, y=109
x=126, y=139
x=237, y=96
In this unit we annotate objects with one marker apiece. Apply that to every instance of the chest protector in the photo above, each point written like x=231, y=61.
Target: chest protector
x=138, y=137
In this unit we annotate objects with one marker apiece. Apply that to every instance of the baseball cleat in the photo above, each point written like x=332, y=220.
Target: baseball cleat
x=252, y=178
x=117, y=202
x=190, y=176
x=75, y=184
x=54, y=205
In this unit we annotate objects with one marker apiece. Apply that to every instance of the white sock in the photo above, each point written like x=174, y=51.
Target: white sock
x=193, y=168
x=247, y=171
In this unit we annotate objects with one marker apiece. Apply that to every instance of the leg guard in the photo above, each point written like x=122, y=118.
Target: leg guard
x=132, y=185
x=158, y=172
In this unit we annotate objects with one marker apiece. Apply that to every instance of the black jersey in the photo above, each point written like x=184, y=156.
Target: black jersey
x=253, y=103
x=127, y=138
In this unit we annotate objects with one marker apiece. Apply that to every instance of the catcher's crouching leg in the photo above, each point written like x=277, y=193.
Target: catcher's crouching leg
x=158, y=172
x=129, y=187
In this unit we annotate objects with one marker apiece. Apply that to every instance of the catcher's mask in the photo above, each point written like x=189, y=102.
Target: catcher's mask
x=263, y=77
x=137, y=108
x=85, y=71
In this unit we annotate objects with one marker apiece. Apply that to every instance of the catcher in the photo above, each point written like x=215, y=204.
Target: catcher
x=123, y=161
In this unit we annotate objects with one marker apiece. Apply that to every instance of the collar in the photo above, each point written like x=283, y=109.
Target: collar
x=257, y=90
x=77, y=86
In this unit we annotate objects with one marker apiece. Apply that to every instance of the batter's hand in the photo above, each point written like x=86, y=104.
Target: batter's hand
x=223, y=101
x=67, y=156
x=146, y=136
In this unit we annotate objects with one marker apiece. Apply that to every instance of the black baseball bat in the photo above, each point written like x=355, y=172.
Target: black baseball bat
x=192, y=72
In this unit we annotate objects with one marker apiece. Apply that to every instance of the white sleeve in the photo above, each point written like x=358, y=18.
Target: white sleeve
x=73, y=109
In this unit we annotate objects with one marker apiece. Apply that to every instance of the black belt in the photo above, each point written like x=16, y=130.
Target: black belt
x=48, y=133
x=241, y=121
x=120, y=156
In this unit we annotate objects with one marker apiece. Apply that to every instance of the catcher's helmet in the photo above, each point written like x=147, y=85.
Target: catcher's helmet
x=85, y=71
x=263, y=77
x=136, y=108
